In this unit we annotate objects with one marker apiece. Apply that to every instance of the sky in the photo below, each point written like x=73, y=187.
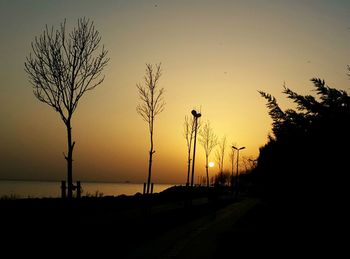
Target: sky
x=215, y=57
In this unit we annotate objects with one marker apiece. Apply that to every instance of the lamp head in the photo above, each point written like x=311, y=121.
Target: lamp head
x=195, y=114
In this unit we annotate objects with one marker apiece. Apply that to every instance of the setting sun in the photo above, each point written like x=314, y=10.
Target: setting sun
x=211, y=164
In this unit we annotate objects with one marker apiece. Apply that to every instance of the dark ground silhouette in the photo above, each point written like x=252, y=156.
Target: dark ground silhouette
x=99, y=223
x=160, y=226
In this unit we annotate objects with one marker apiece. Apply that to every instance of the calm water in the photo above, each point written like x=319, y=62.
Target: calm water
x=40, y=189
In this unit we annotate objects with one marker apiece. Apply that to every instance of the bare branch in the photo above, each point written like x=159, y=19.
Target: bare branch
x=152, y=102
x=220, y=153
x=208, y=139
x=61, y=67
x=188, y=131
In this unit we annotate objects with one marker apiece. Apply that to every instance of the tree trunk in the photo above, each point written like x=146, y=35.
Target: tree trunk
x=149, y=170
x=237, y=176
x=150, y=161
x=194, y=151
x=188, y=169
x=207, y=170
x=233, y=176
x=69, y=159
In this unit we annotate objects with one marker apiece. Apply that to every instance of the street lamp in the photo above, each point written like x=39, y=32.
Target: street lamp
x=196, y=116
x=232, y=160
x=237, y=173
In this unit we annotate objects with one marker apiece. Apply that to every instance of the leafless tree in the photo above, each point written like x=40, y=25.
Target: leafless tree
x=222, y=178
x=246, y=163
x=220, y=154
x=208, y=140
x=249, y=163
x=188, y=134
x=62, y=67
x=152, y=103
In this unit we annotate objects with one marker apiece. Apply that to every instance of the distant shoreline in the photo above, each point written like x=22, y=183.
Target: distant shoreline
x=17, y=189
x=84, y=181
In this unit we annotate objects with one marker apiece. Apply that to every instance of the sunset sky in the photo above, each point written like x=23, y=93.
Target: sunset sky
x=215, y=56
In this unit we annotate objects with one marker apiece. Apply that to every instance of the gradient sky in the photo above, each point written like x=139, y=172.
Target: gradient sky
x=215, y=55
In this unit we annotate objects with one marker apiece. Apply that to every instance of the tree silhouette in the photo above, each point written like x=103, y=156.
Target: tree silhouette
x=222, y=179
x=304, y=159
x=151, y=105
x=188, y=134
x=62, y=67
x=208, y=140
x=220, y=154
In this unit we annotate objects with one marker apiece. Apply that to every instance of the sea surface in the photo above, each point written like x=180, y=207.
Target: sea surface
x=51, y=189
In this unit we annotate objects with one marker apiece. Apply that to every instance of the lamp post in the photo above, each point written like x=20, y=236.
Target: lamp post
x=237, y=173
x=196, y=116
x=232, y=178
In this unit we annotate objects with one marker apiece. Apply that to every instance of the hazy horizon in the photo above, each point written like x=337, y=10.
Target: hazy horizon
x=215, y=56
x=86, y=181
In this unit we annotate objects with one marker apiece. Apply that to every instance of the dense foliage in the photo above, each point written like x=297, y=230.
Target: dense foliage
x=305, y=160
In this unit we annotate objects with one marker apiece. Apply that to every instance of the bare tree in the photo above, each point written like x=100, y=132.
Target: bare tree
x=249, y=163
x=152, y=103
x=62, y=67
x=188, y=134
x=208, y=140
x=220, y=154
x=222, y=178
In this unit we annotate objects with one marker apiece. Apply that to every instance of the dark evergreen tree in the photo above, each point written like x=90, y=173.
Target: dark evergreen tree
x=304, y=163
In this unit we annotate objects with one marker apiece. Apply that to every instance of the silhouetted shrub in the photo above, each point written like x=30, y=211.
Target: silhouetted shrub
x=305, y=161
